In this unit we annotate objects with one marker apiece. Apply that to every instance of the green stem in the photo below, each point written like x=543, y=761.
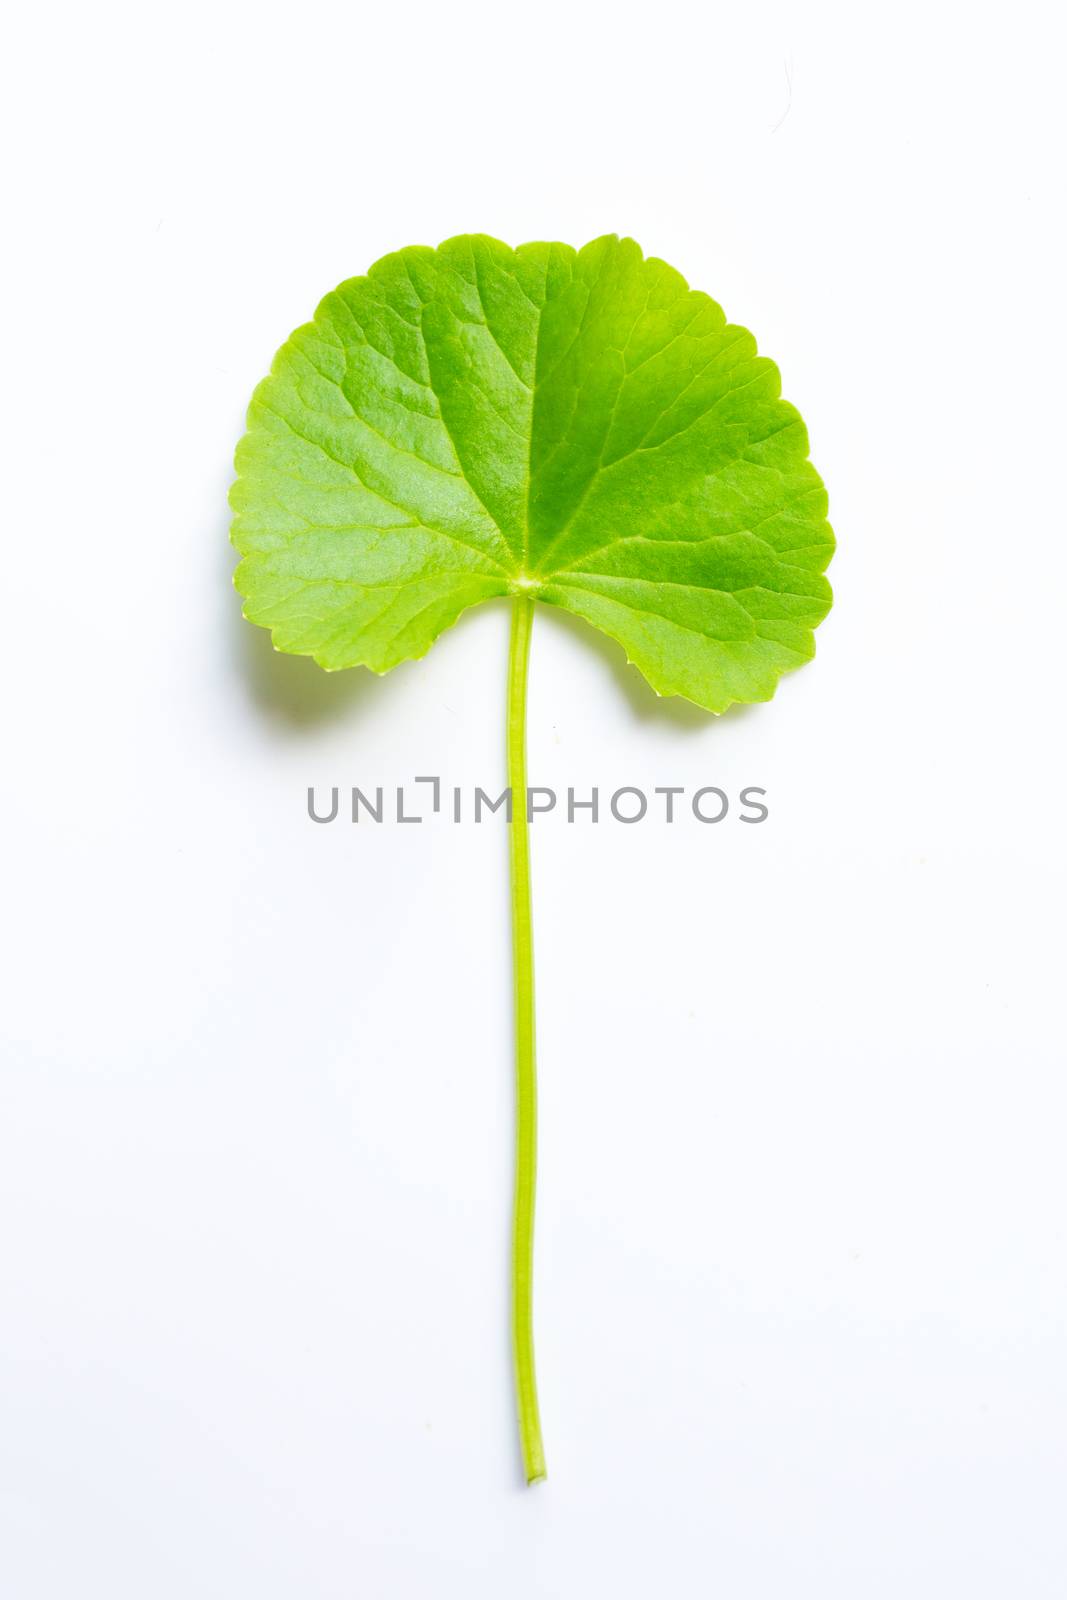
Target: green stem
x=533, y=1453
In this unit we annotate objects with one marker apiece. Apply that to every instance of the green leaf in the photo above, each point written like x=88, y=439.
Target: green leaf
x=579, y=426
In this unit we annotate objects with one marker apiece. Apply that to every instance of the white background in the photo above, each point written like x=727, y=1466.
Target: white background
x=801, y=1266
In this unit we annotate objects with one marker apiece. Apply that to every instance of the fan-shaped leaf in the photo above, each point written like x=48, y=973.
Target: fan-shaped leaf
x=580, y=426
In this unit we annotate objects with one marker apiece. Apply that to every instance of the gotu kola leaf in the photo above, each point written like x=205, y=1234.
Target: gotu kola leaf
x=576, y=427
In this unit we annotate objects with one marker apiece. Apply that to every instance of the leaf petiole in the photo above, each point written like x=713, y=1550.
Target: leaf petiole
x=533, y=1453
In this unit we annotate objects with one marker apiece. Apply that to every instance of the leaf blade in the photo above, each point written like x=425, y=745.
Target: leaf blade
x=473, y=421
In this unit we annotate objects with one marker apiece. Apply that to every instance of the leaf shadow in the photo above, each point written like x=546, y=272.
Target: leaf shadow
x=645, y=704
x=286, y=689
